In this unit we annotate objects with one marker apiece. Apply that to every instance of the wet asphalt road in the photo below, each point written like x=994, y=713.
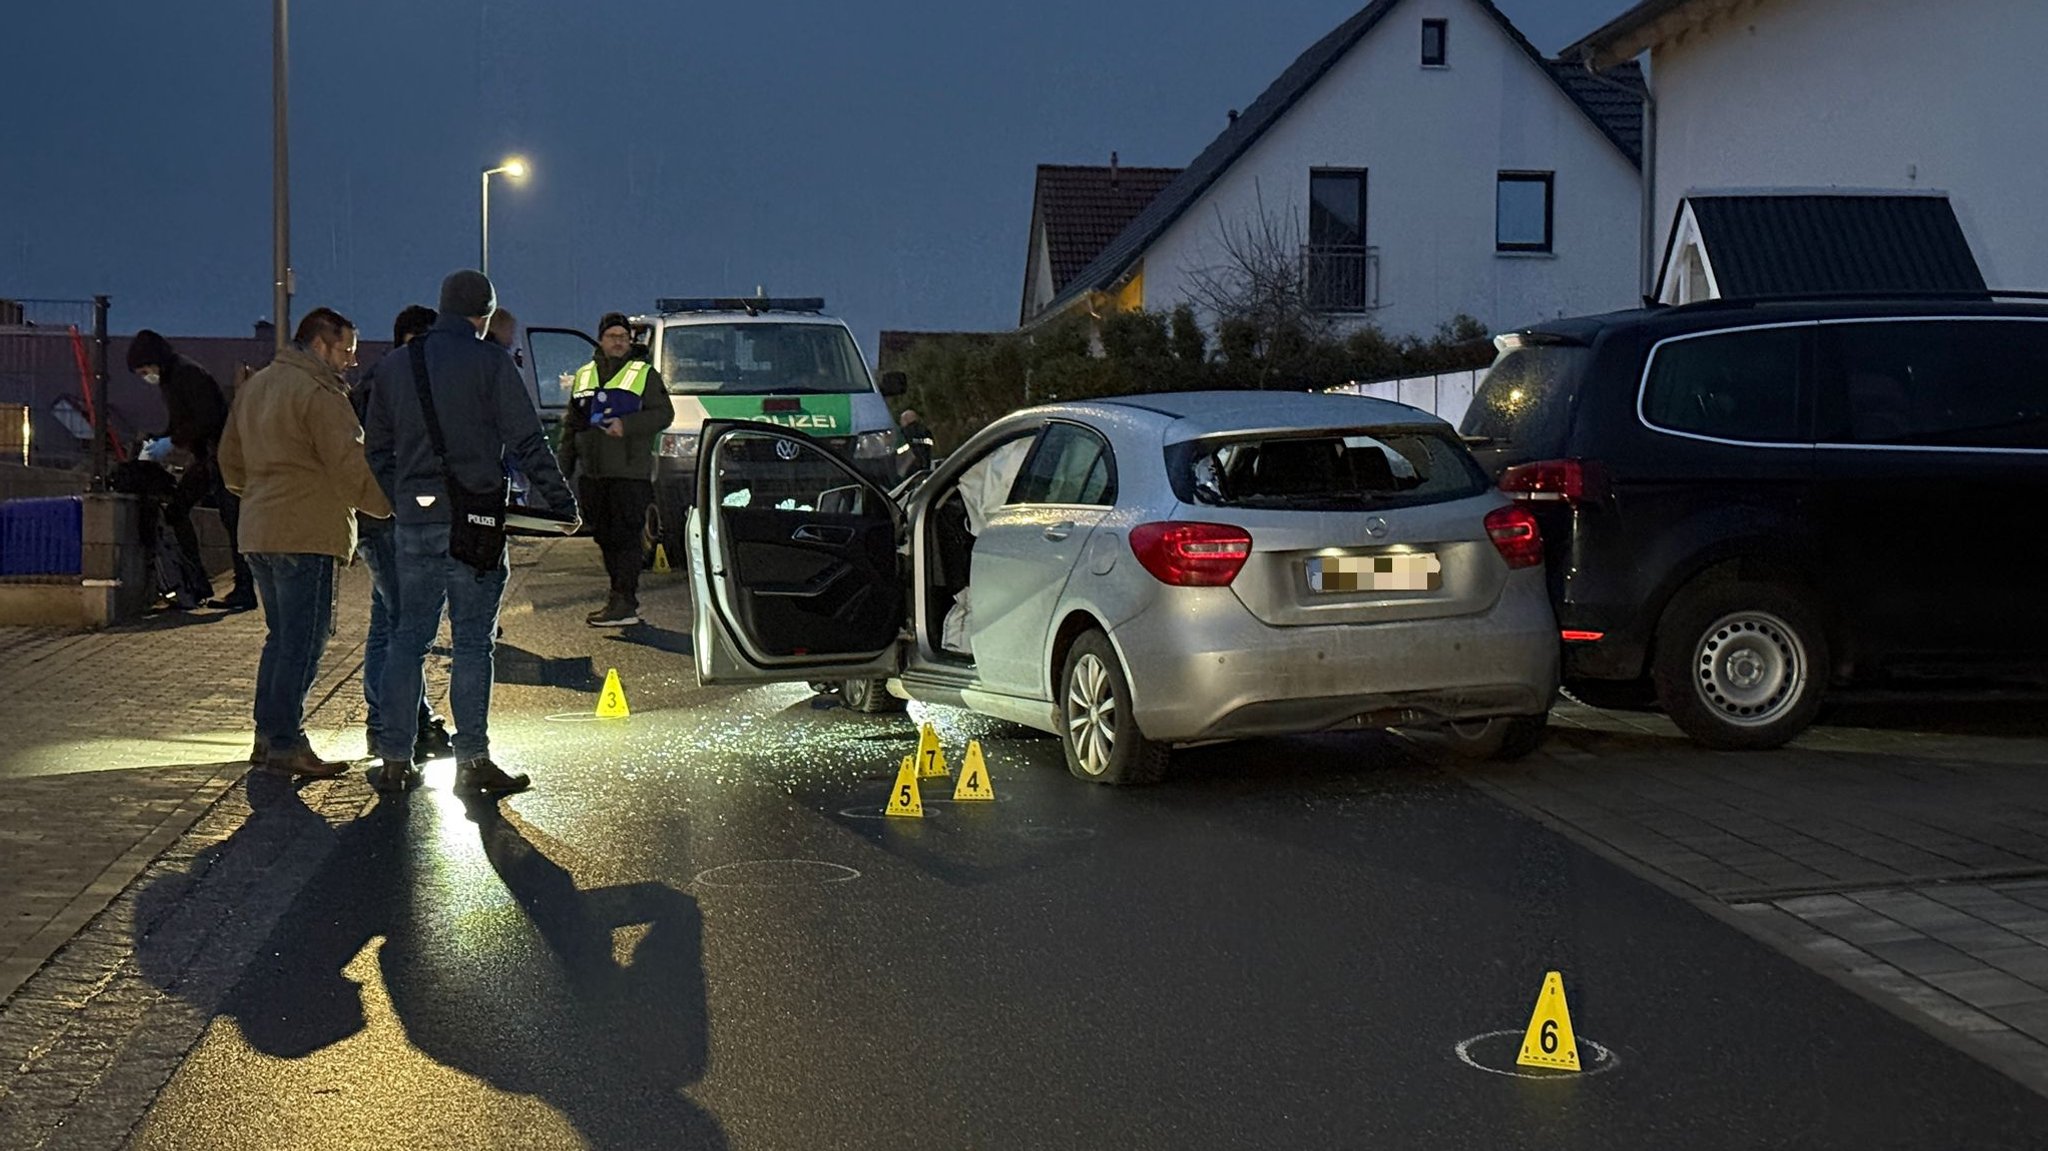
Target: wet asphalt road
x=698, y=931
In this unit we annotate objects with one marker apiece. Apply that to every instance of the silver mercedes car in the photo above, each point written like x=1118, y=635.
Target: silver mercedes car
x=1139, y=572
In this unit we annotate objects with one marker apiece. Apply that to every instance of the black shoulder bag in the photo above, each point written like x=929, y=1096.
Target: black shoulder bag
x=476, y=520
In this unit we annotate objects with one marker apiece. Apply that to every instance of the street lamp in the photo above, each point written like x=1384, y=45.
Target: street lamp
x=514, y=168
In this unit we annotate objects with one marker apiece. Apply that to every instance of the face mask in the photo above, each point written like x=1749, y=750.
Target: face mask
x=151, y=377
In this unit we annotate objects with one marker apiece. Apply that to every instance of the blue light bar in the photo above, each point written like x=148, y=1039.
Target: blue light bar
x=752, y=305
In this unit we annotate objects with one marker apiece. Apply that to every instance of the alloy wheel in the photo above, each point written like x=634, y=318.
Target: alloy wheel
x=1091, y=715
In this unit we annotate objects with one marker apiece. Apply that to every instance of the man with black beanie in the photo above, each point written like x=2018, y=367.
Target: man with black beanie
x=197, y=413
x=485, y=419
x=378, y=545
x=618, y=408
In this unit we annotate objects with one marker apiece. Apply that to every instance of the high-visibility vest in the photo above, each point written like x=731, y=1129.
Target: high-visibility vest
x=631, y=378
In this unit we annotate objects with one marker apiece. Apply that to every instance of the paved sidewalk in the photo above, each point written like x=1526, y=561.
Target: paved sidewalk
x=118, y=741
x=1909, y=865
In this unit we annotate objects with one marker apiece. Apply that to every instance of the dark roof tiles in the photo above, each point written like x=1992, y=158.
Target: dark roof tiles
x=1082, y=208
x=1785, y=244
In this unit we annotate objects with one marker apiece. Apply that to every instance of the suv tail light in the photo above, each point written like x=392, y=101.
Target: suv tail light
x=1188, y=554
x=1514, y=532
x=1572, y=481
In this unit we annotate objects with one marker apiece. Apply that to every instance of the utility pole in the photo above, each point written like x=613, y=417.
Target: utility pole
x=280, y=176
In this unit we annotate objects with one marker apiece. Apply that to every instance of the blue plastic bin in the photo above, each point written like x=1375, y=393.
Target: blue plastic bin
x=42, y=537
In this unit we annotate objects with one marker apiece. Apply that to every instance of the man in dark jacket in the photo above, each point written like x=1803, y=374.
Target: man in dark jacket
x=197, y=413
x=618, y=408
x=377, y=543
x=485, y=417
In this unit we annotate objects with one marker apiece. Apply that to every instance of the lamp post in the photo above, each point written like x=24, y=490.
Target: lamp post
x=280, y=181
x=516, y=169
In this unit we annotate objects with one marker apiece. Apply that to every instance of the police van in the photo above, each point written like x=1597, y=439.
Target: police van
x=783, y=361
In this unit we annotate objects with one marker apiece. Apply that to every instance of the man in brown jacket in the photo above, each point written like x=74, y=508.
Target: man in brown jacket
x=294, y=452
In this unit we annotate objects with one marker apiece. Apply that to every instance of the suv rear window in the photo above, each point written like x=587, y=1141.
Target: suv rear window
x=1325, y=471
x=1526, y=401
x=1938, y=383
x=1741, y=385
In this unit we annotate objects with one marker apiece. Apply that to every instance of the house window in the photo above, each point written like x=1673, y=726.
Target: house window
x=1435, y=43
x=1522, y=212
x=1335, y=261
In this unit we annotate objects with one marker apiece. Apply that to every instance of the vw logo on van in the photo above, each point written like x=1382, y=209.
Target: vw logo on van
x=786, y=449
x=1376, y=528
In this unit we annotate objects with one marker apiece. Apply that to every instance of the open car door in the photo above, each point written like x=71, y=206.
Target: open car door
x=555, y=354
x=794, y=561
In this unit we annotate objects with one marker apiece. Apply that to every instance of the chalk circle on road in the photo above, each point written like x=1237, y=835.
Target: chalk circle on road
x=574, y=717
x=776, y=873
x=1481, y=1052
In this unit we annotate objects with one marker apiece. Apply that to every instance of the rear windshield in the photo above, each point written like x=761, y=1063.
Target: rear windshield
x=1526, y=400
x=1325, y=471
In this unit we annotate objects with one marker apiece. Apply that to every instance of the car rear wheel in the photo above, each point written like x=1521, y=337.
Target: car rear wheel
x=1740, y=666
x=870, y=696
x=1098, y=731
x=1503, y=737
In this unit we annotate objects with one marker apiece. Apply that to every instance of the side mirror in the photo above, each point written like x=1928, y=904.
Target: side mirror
x=895, y=384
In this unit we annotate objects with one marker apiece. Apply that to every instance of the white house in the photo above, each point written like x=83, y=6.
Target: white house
x=1426, y=161
x=1847, y=104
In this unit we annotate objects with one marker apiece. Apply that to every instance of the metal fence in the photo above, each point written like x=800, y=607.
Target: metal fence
x=53, y=383
x=1341, y=277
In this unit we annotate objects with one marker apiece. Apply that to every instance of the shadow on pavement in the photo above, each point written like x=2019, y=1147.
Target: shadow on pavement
x=516, y=665
x=537, y=997
x=658, y=638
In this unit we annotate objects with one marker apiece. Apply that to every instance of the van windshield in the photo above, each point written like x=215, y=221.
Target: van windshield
x=761, y=359
x=1526, y=401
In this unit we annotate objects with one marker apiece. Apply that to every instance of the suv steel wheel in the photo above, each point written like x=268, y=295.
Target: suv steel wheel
x=1740, y=665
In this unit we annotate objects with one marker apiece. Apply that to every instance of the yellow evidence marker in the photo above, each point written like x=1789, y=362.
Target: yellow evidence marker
x=974, y=781
x=903, y=798
x=1549, y=1042
x=611, y=702
x=931, y=758
x=660, y=558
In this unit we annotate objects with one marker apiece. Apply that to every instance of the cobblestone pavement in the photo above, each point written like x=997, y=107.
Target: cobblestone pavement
x=117, y=741
x=1899, y=849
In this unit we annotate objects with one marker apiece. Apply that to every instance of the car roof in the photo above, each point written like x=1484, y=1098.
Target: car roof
x=1193, y=415
x=1740, y=313
x=681, y=319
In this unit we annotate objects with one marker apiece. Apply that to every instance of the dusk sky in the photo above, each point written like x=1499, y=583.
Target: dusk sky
x=879, y=154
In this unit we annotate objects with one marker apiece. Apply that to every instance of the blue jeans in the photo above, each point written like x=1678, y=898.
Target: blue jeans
x=428, y=581
x=379, y=547
x=297, y=592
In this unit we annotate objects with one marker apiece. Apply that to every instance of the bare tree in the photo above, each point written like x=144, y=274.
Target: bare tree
x=1258, y=292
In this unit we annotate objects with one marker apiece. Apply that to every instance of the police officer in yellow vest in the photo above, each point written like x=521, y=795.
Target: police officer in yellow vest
x=618, y=407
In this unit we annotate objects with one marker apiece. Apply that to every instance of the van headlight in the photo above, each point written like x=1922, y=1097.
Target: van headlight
x=679, y=445
x=874, y=445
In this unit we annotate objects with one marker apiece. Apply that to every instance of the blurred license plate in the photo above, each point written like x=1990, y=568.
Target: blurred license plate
x=1406, y=571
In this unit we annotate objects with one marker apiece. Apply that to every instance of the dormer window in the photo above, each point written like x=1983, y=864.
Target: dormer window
x=1435, y=43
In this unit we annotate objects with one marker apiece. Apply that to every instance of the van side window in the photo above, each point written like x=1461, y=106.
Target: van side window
x=1069, y=465
x=1741, y=385
x=1938, y=383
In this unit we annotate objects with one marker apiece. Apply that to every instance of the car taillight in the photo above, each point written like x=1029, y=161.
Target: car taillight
x=1572, y=481
x=1515, y=533
x=1191, y=554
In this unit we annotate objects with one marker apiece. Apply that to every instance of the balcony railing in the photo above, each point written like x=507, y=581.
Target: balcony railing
x=1341, y=277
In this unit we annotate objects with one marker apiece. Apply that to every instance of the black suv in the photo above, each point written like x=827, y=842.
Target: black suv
x=1745, y=502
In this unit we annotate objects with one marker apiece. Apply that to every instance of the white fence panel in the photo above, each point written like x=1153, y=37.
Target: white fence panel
x=1446, y=395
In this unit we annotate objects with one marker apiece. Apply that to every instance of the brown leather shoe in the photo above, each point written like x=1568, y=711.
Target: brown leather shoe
x=260, y=754
x=305, y=763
